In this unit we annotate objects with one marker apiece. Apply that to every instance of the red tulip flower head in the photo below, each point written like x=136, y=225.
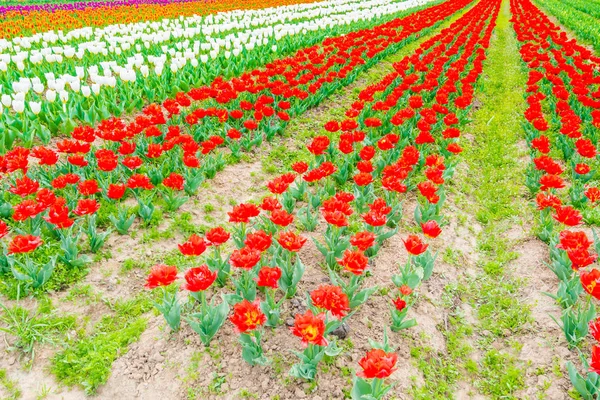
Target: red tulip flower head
x=195, y=246
x=269, y=277
x=431, y=229
x=414, y=245
x=377, y=364
x=199, y=279
x=217, y=236
x=591, y=282
x=245, y=258
x=354, y=261
x=331, y=298
x=290, y=241
x=161, y=275
x=310, y=328
x=24, y=244
x=247, y=316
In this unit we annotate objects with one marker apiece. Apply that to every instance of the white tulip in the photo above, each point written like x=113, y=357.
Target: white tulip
x=63, y=96
x=50, y=95
x=35, y=107
x=85, y=91
x=38, y=88
x=18, y=106
x=6, y=100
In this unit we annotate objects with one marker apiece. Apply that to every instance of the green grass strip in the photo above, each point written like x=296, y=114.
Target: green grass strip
x=87, y=362
x=495, y=181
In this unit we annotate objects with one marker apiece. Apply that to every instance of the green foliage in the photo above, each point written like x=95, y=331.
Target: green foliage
x=501, y=378
x=29, y=329
x=87, y=361
x=11, y=390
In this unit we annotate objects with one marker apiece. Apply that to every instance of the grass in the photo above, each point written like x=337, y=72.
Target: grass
x=87, y=361
x=10, y=388
x=440, y=374
x=32, y=329
x=495, y=183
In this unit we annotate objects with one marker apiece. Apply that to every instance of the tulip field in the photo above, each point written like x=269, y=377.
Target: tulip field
x=300, y=199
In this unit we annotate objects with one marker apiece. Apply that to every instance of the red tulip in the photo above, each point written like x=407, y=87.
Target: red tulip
x=568, y=216
x=86, y=207
x=88, y=187
x=595, y=329
x=377, y=364
x=281, y=217
x=399, y=303
x=300, y=167
x=414, y=245
x=161, y=275
x=269, y=277
x=258, y=241
x=195, y=246
x=310, y=328
x=363, y=240
x=3, y=229
x=24, y=186
x=591, y=282
x=245, y=258
x=174, y=181
x=290, y=241
x=354, y=261
x=247, y=316
x=199, y=279
x=217, y=236
x=431, y=229
x=331, y=298
x=58, y=215
x=116, y=191
x=243, y=213
x=595, y=362
x=593, y=194
x=24, y=244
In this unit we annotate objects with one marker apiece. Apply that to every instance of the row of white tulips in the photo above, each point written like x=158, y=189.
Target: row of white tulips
x=226, y=34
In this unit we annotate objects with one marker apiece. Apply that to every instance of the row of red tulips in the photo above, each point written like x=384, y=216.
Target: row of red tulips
x=354, y=184
x=563, y=117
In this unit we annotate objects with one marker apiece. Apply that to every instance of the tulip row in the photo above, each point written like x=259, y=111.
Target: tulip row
x=150, y=75
x=146, y=160
x=581, y=17
x=71, y=5
x=28, y=22
x=368, y=161
x=562, y=132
